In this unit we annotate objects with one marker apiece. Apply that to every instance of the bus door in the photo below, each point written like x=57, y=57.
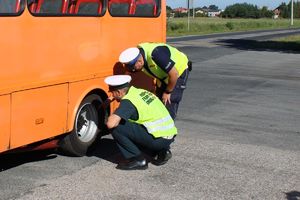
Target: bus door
x=38, y=114
x=4, y=122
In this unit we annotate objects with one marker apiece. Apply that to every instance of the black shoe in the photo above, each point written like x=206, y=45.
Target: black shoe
x=162, y=157
x=133, y=164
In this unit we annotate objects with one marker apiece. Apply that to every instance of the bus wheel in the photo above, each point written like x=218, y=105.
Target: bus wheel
x=86, y=127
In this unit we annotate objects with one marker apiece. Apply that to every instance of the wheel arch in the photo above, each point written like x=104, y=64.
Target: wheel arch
x=76, y=98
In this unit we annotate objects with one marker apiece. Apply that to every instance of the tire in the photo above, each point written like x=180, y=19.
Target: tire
x=87, y=125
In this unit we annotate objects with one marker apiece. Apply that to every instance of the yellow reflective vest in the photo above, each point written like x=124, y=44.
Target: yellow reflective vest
x=152, y=113
x=180, y=59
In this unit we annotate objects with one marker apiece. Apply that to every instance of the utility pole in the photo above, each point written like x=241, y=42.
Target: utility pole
x=188, y=6
x=292, y=12
x=193, y=9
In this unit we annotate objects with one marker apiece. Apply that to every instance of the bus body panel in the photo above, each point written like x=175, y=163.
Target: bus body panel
x=4, y=122
x=128, y=32
x=70, y=55
x=48, y=50
x=38, y=114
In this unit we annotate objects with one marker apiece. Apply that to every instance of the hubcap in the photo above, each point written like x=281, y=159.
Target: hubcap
x=86, y=123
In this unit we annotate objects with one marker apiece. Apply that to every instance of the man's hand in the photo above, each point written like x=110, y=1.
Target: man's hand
x=111, y=98
x=166, y=98
x=106, y=103
x=173, y=76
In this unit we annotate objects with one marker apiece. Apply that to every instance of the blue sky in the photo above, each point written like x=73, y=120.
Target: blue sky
x=271, y=4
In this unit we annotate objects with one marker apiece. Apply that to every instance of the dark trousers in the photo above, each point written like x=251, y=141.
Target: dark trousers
x=176, y=95
x=130, y=136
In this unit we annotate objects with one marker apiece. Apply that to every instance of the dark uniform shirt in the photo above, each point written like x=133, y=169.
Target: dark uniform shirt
x=161, y=55
x=126, y=110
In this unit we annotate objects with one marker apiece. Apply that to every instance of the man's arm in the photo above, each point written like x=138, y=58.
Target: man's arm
x=173, y=76
x=113, y=121
x=162, y=57
x=126, y=110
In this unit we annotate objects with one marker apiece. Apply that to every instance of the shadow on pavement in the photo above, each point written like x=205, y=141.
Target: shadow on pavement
x=293, y=195
x=8, y=161
x=106, y=149
x=273, y=46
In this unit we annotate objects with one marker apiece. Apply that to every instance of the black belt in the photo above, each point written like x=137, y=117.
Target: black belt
x=190, y=65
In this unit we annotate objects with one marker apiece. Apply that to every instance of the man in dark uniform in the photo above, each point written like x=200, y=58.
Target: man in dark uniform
x=141, y=120
x=166, y=64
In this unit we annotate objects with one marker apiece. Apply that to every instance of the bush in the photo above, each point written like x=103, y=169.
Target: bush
x=175, y=26
x=229, y=25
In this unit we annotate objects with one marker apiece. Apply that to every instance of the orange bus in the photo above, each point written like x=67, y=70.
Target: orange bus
x=54, y=55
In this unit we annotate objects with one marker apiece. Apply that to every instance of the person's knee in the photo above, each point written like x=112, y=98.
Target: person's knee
x=122, y=130
x=117, y=132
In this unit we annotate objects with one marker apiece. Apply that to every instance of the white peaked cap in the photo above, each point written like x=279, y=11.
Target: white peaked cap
x=117, y=81
x=129, y=55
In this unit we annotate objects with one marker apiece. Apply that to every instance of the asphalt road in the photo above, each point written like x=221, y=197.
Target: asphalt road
x=239, y=134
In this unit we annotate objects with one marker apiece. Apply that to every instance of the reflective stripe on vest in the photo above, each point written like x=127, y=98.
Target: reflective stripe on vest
x=159, y=125
x=178, y=57
x=152, y=113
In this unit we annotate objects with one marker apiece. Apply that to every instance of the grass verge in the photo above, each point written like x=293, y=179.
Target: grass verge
x=293, y=38
x=204, y=25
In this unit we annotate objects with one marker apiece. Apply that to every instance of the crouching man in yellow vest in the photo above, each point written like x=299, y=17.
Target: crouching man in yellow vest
x=140, y=121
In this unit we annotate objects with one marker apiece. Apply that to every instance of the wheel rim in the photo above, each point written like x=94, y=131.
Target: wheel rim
x=86, y=123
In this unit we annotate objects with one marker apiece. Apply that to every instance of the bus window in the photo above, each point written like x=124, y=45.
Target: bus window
x=50, y=7
x=66, y=7
x=11, y=7
x=146, y=8
x=136, y=8
x=86, y=7
x=121, y=7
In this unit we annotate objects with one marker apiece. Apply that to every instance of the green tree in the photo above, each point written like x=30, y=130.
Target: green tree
x=213, y=7
x=243, y=10
x=296, y=9
x=264, y=12
x=169, y=10
x=284, y=10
